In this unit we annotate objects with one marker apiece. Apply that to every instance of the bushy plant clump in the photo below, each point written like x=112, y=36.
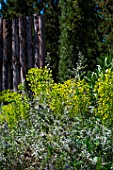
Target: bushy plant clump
x=104, y=95
x=51, y=127
x=50, y=143
x=14, y=106
x=101, y=85
x=72, y=96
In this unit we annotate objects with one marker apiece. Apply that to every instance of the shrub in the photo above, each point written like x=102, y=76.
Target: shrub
x=14, y=106
x=104, y=96
x=73, y=95
x=52, y=128
x=50, y=143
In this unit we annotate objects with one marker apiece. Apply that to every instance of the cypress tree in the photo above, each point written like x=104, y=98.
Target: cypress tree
x=69, y=41
x=77, y=27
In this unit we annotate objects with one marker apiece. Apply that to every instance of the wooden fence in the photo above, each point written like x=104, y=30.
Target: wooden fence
x=22, y=46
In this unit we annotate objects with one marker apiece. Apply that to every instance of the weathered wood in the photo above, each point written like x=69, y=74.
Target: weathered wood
x=6, y=69
x=36, y=41
x=15, y=54
x=22, y=46
x=4, y=61
x=22, y=49
x=1, y=51
x=10, y=73
x=17, y=50
x=41, y=40
x=29, y=42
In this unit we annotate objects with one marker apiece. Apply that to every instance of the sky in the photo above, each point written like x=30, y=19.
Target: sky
x=1, y=5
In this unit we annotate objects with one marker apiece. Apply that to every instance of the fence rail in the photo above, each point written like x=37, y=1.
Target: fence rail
x=22, y=46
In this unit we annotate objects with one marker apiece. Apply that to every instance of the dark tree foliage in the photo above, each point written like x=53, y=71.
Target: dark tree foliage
x=72, y=26
x=105, y=26
x=52, y=13
x=78, y=34
x=16, y=8
x=88, y=33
